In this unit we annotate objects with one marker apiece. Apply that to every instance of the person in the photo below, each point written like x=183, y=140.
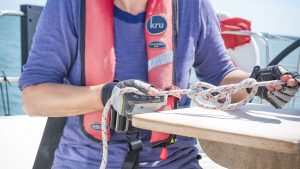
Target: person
x=51, y=80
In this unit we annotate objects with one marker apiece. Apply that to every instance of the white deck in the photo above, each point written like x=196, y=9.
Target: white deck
x=19, y=140
x=20, y=137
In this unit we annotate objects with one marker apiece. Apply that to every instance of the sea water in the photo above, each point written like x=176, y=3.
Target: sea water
x=10, y=60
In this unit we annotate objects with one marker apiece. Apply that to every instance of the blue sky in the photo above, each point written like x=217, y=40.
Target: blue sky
x=274, y=16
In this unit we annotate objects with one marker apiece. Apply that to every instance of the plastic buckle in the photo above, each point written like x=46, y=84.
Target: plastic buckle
x=134, y=142
x=164, y=143
x=135, y=146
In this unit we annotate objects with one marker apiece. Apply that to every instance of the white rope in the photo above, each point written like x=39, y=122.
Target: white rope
x=203, y=94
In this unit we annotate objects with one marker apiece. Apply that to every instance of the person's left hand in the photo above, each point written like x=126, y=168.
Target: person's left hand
x=277, y=95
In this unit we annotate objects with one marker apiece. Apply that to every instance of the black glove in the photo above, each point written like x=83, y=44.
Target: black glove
x=129, y=103
x=109, y=88
x=277, y=98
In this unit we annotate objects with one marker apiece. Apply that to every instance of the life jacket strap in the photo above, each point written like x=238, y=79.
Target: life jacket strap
x=164, y=143
x=134, y=147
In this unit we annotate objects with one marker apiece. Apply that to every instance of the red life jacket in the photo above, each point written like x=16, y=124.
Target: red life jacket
x=98, y=54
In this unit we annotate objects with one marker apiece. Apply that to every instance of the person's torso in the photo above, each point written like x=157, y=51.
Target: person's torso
x=131, y=63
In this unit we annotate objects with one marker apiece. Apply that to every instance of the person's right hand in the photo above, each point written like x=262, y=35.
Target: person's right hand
x=127, y=104
x=110, y=88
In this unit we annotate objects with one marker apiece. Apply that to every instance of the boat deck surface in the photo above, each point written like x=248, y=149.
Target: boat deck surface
x=20, y=137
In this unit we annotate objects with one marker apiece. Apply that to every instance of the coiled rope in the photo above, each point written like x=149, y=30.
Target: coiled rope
x=203, y=94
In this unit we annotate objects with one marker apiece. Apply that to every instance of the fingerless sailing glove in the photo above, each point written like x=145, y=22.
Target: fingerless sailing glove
x=125, y=105
x=110, y=88
x=277, y=98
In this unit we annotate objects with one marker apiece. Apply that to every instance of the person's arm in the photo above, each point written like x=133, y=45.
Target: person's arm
x=59, y=100
x=52, y=58
x=212, y=63
x=53, y=53
x=234, y=77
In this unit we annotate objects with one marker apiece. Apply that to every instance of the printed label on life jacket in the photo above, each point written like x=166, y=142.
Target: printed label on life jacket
x=96, y=126
x=156, y=24
x=157, y=45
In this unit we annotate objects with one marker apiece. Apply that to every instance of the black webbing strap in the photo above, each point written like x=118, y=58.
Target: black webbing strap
x=131, y=161
x=50, y=140
x=134, y=147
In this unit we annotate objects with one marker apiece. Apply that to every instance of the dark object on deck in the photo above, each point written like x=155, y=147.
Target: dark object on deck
x=50, y=140
x=28, y=27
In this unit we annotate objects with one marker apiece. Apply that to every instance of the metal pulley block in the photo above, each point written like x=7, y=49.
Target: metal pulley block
x=128, y=104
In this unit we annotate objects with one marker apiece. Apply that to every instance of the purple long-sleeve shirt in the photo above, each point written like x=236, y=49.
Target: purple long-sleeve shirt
x=55, y=58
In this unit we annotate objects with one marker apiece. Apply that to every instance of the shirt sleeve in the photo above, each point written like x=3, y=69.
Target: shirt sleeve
x=212, y=62
x=54, y=46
